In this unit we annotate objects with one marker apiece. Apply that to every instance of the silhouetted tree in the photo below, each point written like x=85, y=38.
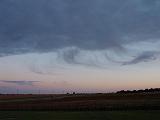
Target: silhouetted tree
x=151, y=90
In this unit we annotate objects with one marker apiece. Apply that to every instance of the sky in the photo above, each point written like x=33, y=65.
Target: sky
x=59, y=46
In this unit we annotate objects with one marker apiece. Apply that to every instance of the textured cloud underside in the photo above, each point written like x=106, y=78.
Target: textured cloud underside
x=71, y=58
x=84, y=32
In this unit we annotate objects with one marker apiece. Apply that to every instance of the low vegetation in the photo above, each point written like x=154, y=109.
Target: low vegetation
x=81, y=102
x=80, y=115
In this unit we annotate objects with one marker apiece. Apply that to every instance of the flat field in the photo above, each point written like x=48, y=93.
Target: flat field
x=80, y=115
x=81, y=102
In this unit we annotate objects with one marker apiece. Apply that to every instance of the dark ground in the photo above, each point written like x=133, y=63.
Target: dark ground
x=81, y=115
x=81, y=102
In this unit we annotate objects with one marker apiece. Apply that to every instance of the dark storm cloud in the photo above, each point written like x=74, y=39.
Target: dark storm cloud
x=45, y=25
x=31, y=83
x=144, y=57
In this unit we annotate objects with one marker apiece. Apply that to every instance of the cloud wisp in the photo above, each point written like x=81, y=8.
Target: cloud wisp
x=21, y=82
x=144, y=57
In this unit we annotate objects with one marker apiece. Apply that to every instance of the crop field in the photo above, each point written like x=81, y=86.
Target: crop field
x=112, y=106
x=80, y=115
x=81, y=102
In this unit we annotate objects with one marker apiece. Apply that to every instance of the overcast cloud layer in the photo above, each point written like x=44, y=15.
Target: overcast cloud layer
x=94, y=25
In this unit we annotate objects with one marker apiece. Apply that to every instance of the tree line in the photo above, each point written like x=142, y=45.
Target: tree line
x=151, y=90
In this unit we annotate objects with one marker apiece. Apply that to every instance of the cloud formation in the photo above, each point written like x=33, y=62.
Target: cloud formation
x=144, y=57
x=42, y=26
x=85, y=32
x=30, y=83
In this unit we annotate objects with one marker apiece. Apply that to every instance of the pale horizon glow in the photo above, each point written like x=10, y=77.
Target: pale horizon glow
x=57, y=78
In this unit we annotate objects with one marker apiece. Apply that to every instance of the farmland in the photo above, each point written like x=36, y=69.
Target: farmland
x=111, y=106
x=80, y=115
x=81, y=102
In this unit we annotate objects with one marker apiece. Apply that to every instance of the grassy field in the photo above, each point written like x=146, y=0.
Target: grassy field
x=81, y=102
x=144, y=106
x=96, y=115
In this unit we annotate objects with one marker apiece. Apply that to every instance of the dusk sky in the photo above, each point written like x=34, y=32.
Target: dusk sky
x=55, y=46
